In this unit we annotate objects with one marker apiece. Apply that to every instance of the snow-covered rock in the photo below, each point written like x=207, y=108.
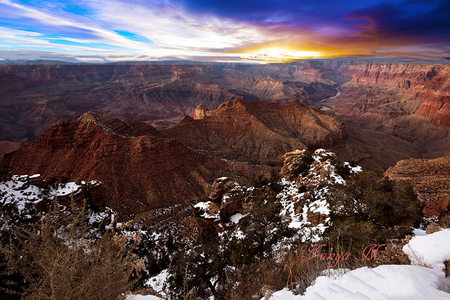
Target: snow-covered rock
x=387, y=282
x=431, y=250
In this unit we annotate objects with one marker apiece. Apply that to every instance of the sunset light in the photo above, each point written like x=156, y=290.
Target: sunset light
x=238, y=31
x=280, y=54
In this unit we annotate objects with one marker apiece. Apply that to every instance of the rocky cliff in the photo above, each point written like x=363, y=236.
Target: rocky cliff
x=437, y=97
x=258, y=132
x=33, y=97
x=394, y=107
x=140, y=167
x=390, y=82
x=430, y=178
x=394, y=100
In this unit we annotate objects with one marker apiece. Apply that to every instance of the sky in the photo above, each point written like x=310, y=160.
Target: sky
x=257, y=31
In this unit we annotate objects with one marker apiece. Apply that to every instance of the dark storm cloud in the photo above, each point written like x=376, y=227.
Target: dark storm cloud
x=424, y=21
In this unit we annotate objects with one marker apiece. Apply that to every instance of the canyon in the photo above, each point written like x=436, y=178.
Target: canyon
x=158, y=134
x=140, y=167
x=403, y=103
x=33, y=97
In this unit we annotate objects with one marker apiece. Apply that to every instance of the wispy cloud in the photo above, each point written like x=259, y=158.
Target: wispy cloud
x=262, y=30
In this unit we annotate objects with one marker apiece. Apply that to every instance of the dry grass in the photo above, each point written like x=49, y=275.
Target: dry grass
x=61, y=259
x=292, y=270
x=416, y=259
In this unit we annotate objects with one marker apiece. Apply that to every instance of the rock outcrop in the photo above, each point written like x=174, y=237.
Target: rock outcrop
x=201, y=112
x=140, y=167
x=259, y=132
x=430, y=178
x=301, y=195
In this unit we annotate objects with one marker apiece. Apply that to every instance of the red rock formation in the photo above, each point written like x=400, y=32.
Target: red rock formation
x=201, y=111
x=385, y=72
x=430, y=178
x=437, y=97
x=35, y=96
x=402, y=83
x=259, y=132
x=6, y=147
x=140, y=167
x=384, y=100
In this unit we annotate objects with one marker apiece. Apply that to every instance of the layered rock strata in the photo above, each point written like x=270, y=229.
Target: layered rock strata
x=140, y=167
x=259, y=132
x=430, y=178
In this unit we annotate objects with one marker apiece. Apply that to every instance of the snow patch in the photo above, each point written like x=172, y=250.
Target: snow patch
x=432, y=249
x=388, y=282
x=235, y=218
x=157, y=282
x=143, y=297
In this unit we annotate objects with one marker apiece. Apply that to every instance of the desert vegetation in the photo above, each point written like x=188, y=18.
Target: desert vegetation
x=59, y=255
x=62, y=254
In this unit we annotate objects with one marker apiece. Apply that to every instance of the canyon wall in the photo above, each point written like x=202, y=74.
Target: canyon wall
x=32, y=97
x=430, y=178
x=259, y=132
x=140, y=167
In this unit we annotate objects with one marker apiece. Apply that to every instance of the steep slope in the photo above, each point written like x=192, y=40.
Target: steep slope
x=259, y=132
x=382, y=88
x=431, y=179
x=140, y=167
x=437, y=97
x=394, y=101
x=32, y=97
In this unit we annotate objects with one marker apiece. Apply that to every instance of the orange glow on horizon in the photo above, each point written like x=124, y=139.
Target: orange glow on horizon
x=288, y=52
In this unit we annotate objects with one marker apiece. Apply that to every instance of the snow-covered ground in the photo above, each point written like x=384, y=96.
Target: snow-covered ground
x=19, y=191
x=389, y=281
x=383, y=282
x=386, y=282
x=157, y=282
x=429, y=250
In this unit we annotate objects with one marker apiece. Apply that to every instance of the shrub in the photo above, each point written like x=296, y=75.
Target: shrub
x=207, y=266
x=62, y=257
x=370, y=209
x=11, y=283
x=200, y=271
x=262, y=229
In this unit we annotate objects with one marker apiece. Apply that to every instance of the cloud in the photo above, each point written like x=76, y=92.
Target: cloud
x=171, y=28
x=68, y=26
x=405, y=22
x=262, y=30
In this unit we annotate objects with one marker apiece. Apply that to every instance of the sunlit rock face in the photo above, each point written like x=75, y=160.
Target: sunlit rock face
x=431, y=181
x=259, y=132
x=140, y=167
